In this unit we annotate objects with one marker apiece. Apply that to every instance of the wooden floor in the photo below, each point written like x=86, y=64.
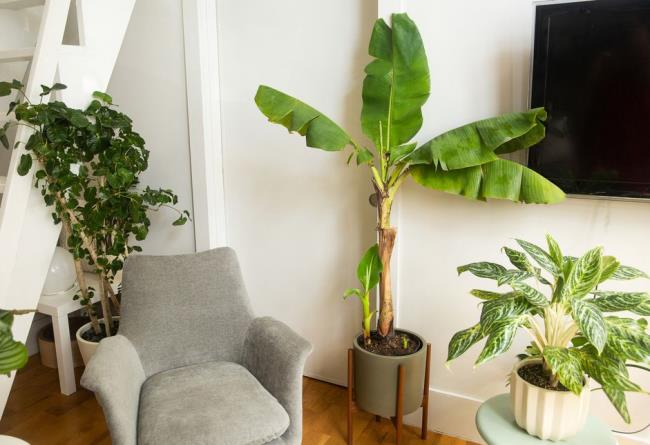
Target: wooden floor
x=38, y=413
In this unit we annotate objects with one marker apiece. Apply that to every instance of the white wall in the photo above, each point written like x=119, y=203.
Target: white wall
x=479, y=54
x=299, y=218
x=148, y=84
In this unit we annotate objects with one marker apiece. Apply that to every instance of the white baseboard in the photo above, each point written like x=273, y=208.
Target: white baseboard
x=453, y=415
x=450, y=414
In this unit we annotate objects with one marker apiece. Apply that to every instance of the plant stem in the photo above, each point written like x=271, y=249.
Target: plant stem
x=111, y=294
x=19, y=311
x=387, y=235
x=81, y=279
x=106, y=309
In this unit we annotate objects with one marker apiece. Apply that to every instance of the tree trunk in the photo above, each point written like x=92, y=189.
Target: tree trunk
x=81, y=278
x=386, y=244
x=106, y=309
x=386, y=235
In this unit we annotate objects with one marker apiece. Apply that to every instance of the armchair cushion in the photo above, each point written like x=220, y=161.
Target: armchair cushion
x=216, y=403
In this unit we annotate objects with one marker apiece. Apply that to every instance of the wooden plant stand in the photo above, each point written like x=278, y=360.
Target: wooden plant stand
x=399, y=408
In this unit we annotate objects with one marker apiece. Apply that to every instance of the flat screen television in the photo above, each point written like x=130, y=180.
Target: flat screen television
x=591, y=71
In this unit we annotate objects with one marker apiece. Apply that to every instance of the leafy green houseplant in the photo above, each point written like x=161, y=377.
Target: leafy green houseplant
x=87, y=164
x=464, y=161
x=573, y=328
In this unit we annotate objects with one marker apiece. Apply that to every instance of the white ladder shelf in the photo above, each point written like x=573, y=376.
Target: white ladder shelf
x=27, y=233
x=17, y=5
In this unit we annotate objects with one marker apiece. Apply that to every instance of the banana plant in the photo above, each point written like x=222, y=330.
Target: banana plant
x=464, y=161
x=570, y=326
x=368, y=273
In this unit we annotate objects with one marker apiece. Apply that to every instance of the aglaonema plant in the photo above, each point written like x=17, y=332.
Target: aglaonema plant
x=571, y=326
x=465, y=161
x=87, y=165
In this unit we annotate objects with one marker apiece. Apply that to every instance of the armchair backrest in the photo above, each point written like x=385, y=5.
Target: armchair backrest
x=184, y=309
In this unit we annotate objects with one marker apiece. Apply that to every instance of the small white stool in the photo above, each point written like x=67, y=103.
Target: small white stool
x=59, y=306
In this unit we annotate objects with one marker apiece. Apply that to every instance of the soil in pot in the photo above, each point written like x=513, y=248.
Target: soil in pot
x=535, y=375
x=90, y=335
x=398, y=344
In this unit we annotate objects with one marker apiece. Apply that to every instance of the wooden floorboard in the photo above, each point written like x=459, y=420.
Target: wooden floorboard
x=38, y=413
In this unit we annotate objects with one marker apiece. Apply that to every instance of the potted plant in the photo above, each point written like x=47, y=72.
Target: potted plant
x=463, y=161
x=88, y=164
x=573, y=337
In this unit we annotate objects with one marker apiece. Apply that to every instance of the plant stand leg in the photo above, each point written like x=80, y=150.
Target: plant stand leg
x=350, y=395
x=399, y=410
x=64, y=359
x=425, y=396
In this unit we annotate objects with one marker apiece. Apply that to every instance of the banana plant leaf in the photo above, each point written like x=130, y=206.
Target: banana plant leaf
x=480, y=142
x=296, y=116
x=397, y=83
x=498, y=179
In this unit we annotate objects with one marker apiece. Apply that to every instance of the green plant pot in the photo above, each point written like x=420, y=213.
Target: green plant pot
x=375, y=379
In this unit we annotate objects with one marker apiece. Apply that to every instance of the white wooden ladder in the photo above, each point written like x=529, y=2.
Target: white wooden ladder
x=27, y=233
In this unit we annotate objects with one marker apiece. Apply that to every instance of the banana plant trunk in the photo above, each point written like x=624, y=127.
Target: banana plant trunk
x=387, y=235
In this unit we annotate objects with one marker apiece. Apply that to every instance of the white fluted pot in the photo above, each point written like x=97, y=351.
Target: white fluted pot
x=547, y=414
x=87, y=348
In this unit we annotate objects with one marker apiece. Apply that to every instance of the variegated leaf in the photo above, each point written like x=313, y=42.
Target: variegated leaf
x=627, y=339
x=554, y=251
x=499, y=340
x=591, y=322
x=639, y=325
x=483, y=269
x=540, y=256
x=13, y=354
x=628, y=273
x=486, y=294
x=609, y=267
x=462, y=341
x=609, y=301
x=609, y=371
x=518, y=259
x=558, y=289
x=643, y=309
x=584, y=274
x=534, y=297
x=567, y=364
x=511, y=275
x=567, y=265
x=495, y=310
x=617, y=397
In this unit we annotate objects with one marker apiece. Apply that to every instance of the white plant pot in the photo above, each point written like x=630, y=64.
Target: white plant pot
x=87, y=348
x=8, y=440
x=547, y=414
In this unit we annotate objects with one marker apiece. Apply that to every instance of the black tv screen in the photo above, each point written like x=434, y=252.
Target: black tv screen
x=591, y=71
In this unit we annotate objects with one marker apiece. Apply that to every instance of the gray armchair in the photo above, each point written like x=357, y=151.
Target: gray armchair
x=191, y=365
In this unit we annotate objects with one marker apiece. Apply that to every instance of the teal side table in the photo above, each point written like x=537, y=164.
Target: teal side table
x=496, y=424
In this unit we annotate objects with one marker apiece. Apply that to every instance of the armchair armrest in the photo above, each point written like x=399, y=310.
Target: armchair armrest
x=276, y=356
x=115, y=375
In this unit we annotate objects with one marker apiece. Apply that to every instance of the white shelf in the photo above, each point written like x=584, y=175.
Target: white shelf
x=62, y=303
x=16, y=55
x=17, y=5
